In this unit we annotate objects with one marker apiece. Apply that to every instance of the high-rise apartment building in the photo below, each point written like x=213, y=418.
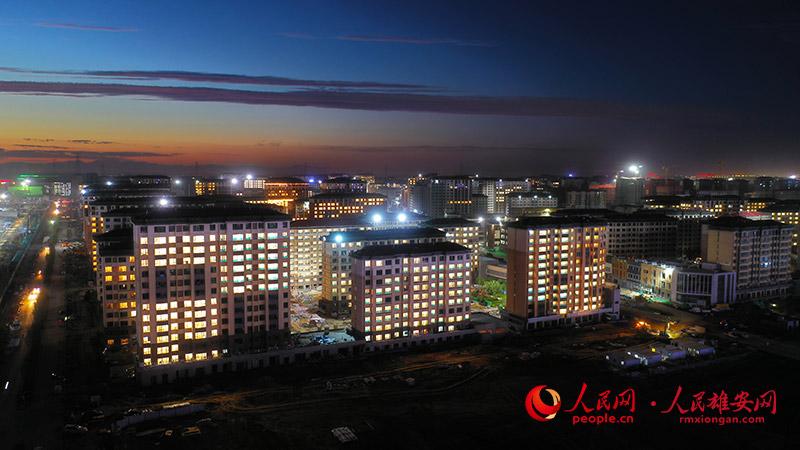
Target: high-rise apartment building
x=116, y=291
x=463, y=232
x=306, y=241
x=556, y=271
x=336, y=264
x=210, y=281
x=757, y=250
x=410, y=290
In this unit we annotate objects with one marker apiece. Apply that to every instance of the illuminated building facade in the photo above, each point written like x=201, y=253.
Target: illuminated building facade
x=306, y=241
x=410, y=290
x=335, y=205
x=211, y=281
x=556, y=270
x=336, y=264
x=789, y=213
x=116, y=278
x=757, y=250
x=463, y=232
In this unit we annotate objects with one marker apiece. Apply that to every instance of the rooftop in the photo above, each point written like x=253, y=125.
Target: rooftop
x=738, y=222
x=338, y=195
x=408, y=249
x=393, y=233
x=451, y=222
x=117, y=242
x=208, y=214
x=551, y=221
x=356, y=220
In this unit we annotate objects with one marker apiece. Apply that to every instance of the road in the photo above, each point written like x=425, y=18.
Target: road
x=28, y=404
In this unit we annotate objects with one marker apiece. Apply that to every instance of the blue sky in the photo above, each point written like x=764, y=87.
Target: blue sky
x=679, y=84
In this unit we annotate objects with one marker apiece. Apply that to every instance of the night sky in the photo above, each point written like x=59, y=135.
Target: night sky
x=399, y=87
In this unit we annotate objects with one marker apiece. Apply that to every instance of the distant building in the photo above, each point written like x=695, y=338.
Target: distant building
x=336, y=264
x=410, y=290
x=463, y=232
x=787, y=212
x=594, y=199
x=333, y=205
x=556, y=270
x=306, y=242
x=529, y=204
x=344, y=185
x=287, y=194
x=629, y=191
x=506, y=188
x=757, y=250
x=441, y=196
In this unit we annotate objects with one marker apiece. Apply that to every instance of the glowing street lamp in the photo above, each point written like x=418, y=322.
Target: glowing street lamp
x=163, y=202
x=377, y=218
x=402, y=217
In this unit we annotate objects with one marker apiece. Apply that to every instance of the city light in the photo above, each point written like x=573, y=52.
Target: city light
x=402, y=217
x=163, y=202
x=178, y=182
x=109, y=183
x=377, y=218
x=249, y=176
x=634, y=169
x=3, y=196
x=337, y=238
x=83, y=191
x=234, y=181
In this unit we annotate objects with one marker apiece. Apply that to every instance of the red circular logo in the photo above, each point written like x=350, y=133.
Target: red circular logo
x=537, y=408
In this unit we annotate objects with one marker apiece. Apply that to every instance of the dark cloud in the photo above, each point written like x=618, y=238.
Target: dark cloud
x=57, y=153
x=206, y=77
x=90, y=142
x=52, y=147
x=84, y=27
x=372, y=101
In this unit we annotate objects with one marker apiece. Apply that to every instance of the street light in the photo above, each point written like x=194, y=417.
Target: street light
x=377, y=218
x=402, y=217
x=163, y=202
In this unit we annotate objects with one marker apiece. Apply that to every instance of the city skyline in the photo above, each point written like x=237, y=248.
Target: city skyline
x=399, y=88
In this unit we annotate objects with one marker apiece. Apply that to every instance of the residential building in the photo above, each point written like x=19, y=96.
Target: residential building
x=757, y=250
x=529, y=204
x=410, y=290
x=787, y=212
x=211, y=281
x=592, y=199
x=463, y=232
x=336, y=298
x=116, y=291
x=556, y=271
x=306, y=241
x=333, y=205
